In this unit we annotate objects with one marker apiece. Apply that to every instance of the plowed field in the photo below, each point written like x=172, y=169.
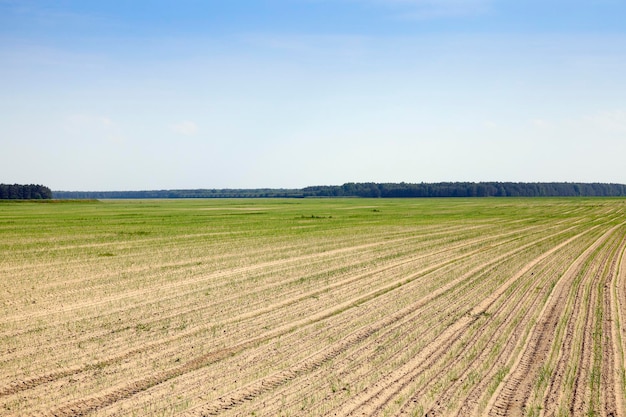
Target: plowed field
x=338, y=307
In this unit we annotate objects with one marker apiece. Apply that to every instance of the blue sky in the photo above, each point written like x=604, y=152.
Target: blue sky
x=120, y=95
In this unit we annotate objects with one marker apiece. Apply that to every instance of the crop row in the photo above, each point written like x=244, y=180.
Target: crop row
x=366, y=307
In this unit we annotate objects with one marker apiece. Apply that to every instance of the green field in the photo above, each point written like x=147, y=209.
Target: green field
x=313, y=307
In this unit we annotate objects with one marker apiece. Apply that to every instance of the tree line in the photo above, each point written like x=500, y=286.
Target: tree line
x=195, y=193
x=469, y=189
x=24, y=192
x=378, y=190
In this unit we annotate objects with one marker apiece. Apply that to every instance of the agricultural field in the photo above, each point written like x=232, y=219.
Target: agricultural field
x=313, y=307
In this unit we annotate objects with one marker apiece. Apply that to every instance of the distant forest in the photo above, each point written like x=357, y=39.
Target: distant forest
x=375, y=190
x=24, y=192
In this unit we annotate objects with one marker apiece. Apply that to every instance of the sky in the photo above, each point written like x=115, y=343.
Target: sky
x=146, y=95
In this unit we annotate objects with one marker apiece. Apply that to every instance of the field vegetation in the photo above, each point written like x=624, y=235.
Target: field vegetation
x=313, y=307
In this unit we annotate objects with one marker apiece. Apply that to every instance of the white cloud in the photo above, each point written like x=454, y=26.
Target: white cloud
x=87, y=123
x=539, y=123
x=186, y=128
x=89, y=127
x=611, y=120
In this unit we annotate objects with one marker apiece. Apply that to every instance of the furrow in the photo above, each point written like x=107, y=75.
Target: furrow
x=385, y=390
x=588, y=381
x=516, y=310
x=572, y=356
x=610, y=385
x=35, y=381
x=477, y=398
x=512, y=398
x=359, y=312
x=143, y=384
x=619, y=332
x=170, y=287
x=390, y=287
